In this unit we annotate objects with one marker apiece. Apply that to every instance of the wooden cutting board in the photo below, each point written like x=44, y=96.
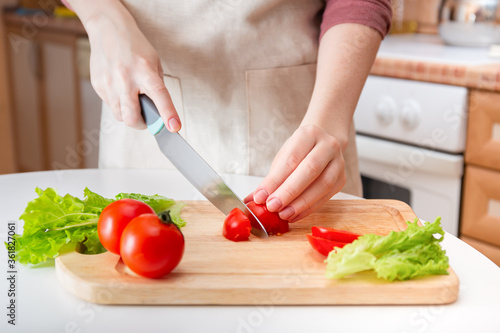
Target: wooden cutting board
x=278, y=270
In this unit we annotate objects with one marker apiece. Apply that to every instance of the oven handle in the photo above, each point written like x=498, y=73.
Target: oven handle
x=404, y=156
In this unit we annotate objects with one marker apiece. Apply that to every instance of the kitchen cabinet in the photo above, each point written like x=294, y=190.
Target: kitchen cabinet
x=49, y=94
x=425, y=58
x=7, y=162
x=483, y=137
x=481, y=199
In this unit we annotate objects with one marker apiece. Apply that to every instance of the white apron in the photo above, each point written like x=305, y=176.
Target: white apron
x=240, y=74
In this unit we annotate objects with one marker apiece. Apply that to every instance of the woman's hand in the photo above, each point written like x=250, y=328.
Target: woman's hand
x=123, y=64
x=309, y=168
x=307, y=171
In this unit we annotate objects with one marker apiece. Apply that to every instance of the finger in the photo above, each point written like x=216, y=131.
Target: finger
x=304, y=175
x=98, y=85
x=114, y=105
x=102, y=94
x=131, y=111
x=305, y=213
x=154, y=87
x=323, y=188
x=285, y=162
x=248, y=198
x=160, y=69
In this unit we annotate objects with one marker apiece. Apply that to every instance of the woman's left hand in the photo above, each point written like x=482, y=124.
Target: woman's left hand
x=307, y=171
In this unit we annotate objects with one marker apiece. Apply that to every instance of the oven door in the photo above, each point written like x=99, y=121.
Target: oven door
x=429, y=181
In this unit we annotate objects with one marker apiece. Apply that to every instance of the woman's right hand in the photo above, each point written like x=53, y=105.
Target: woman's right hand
x=123, y=64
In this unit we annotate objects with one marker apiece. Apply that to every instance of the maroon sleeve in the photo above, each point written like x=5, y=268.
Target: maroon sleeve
x=376, y=14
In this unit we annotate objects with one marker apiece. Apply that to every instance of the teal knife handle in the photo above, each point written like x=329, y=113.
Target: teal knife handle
x=150, y=114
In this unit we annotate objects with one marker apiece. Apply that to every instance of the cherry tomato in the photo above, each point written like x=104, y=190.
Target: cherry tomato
x=334, y=234
x=115, y=217
x=323, y=246
x=152, y=246
x=272, y=222
x=237, y=226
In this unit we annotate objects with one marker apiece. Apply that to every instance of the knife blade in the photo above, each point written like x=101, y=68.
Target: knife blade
x=193, y=167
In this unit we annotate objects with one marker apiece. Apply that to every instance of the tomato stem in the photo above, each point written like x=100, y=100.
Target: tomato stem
x=165, y=217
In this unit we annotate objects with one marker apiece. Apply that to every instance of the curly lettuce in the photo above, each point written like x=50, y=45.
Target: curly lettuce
x=401, y=255
x=54, y=223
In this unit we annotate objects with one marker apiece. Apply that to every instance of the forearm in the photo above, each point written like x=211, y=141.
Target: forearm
x=345, y=57
x=93, y=14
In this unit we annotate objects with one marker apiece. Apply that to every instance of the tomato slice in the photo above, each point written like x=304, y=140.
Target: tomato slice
x=271, y=221
x=237, y=226
x=334, y=234
x=323, y=246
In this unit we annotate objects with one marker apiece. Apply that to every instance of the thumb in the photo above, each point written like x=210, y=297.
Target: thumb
x=154, y=87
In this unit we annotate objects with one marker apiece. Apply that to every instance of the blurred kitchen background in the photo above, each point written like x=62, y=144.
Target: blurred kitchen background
x=428, y=120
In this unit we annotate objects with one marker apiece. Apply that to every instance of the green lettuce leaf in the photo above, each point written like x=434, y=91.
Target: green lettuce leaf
x=423, y=259
x=54, y=223
x=159, y=204
x=401, y=255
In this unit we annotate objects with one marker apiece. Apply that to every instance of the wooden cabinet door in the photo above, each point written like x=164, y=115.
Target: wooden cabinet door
x=61, y=92
x=490, y=251
x=7, y=162
x=25, y=78
x=483, y=133
x=46, y=100
x=481, y=205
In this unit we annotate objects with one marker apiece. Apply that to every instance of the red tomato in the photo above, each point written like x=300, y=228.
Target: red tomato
x=334, y=234
x=115, y=217
x=271, y=221
x=237, y=226
x=152, y=247
x=323, y=246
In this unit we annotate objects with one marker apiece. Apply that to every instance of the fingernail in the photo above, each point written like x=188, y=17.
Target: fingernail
x=173, y=124
x=274, y=205
x=286, y=213
x=260, y=196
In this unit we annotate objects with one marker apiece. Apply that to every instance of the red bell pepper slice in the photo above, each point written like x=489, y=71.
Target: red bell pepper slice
x=334, y=234
x=323, y=246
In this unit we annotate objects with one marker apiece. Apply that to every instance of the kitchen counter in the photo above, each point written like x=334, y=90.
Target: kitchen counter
x=43, y=305
x=424, y=57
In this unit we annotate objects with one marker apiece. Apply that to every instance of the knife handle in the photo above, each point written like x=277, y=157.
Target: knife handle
x=150, y=114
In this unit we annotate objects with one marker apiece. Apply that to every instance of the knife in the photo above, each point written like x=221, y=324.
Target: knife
x=192, y=166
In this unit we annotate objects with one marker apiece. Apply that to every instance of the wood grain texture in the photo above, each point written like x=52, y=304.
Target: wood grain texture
x=279, y=270
x=8, y=163
x=483, y=149
x=489, y=250
x=481, y=186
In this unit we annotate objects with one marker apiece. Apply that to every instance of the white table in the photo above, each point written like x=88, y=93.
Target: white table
x=43, y=305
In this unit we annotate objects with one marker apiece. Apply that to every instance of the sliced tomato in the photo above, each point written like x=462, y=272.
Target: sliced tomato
x=323, y=246
x=272, y=222
x=237, y=226
x=334, y=234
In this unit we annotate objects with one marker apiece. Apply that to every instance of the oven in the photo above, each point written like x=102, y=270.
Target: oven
x=411, y=139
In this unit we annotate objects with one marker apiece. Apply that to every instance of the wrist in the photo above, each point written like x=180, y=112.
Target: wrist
x=97, y=14
x=335, y=124
x=341, y=136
